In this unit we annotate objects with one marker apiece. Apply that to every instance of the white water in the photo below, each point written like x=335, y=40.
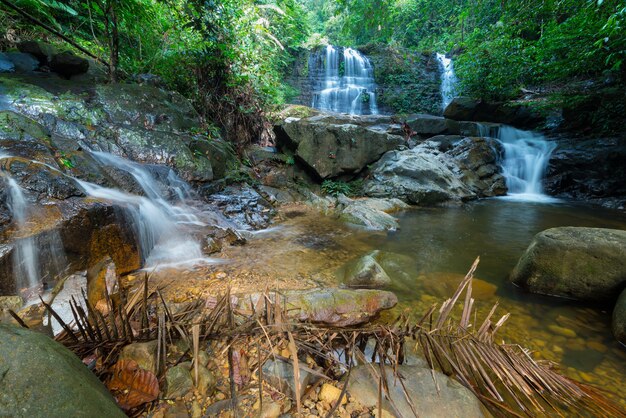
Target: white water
x=526, y=157
x=353, y=91
x=448, y=80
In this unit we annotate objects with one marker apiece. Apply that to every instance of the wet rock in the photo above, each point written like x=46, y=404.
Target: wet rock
x=179, y=381
x=280, y=375
x=145, y=354
x=6, y=65
x=331, y=146
x=619, y=318
x=243, y=206
x=366, y=272
x=44, y=379
x=337, y=307
x=67, y=64
x=446, y=398
x=13, y=303
x=443, y=169
x=40, y=50
x=371, y=213
x=23, y=63
x=587, y=264
x=429, y=125
x=469, y=109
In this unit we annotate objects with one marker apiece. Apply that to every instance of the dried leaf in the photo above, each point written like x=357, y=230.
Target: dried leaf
x=131, y=385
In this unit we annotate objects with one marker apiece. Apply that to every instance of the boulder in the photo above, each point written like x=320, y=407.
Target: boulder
x=366, y=272
x=619, y=318
x=444, y=169
x=23, y=63
x=67, y=64
x=429, y=125
x=40, y=50
x=469, y=109
x=433, y=394
x=41, y=378
x=6, y=65
x=330, y=306
x=587, y=264
x=331, y=146
x=372, y=213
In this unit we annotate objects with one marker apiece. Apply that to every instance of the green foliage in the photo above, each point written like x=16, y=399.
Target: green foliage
x=337, y=187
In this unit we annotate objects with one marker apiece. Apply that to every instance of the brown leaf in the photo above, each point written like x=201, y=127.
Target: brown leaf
x=241, y=368
x=131, y=385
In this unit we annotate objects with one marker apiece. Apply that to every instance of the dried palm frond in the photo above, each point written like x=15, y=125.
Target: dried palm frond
x=507, y=380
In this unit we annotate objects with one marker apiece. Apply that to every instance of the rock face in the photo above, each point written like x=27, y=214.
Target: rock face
x=335, y=145
x=619, y=318
x=468, y=109
x=42, y=378
x=446, y=398
x=587, y=264
x=442, y=169
x=593, y=170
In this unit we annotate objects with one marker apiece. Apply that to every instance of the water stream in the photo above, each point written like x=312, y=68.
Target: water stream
x=448, y=80
x=346, y=82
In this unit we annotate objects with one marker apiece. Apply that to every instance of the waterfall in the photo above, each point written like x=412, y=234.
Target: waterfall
x=526, y=158
x=346, y=82
x=448, y=80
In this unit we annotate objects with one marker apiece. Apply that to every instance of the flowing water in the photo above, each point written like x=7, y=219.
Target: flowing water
x=345, y=82
x=448, y=80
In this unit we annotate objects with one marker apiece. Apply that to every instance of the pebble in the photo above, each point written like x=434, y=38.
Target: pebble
x=565, y=332
x=329, y=394
x=596, y=345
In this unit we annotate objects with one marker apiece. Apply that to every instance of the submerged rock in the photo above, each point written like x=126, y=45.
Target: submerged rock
x=372, y=213
x=366, y=272
x=441, y=399
x=587, y=264
x=619, y=318
x=280, y=375
x=41, y=378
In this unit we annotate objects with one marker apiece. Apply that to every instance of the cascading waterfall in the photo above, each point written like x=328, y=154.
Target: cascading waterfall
x=526, y=158
x=448, y=80
x=347, y=84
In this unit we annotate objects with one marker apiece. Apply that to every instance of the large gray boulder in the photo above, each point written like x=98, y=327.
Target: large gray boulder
x=439, y=398
x=470, y=109
x=587, y=264
x=444, y=169
x=619, y=318
x=332, y=145
x=41, y=378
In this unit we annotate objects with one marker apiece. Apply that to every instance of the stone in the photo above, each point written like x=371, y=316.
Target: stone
x=270, y=410
x=428, y=125
x=6, y=65
x=280, y=375
x=562, y=331
x=444, y=284
x=145, y=354
x=332, y=145
x=329, y=394
x=587, y=264
x=330, y=306
x=41, y=378
x=13, y=303
x=371, y=213
x=366, y=272
x=40, y=50
x=22, y=63
x=452, y=399
x=206, y=381
x=67, y=64
x=101, y=278
x=179, y=381
x=619, y=318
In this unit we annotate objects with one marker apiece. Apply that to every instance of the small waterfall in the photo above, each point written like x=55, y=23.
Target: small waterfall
x=526, y=158
x=159, y=225
x=347, y=84
x=448, y=80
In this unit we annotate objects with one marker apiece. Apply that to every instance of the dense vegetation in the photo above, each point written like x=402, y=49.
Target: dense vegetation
x=230, y=56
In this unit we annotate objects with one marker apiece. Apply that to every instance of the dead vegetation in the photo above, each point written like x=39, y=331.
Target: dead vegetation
x=506, y=379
